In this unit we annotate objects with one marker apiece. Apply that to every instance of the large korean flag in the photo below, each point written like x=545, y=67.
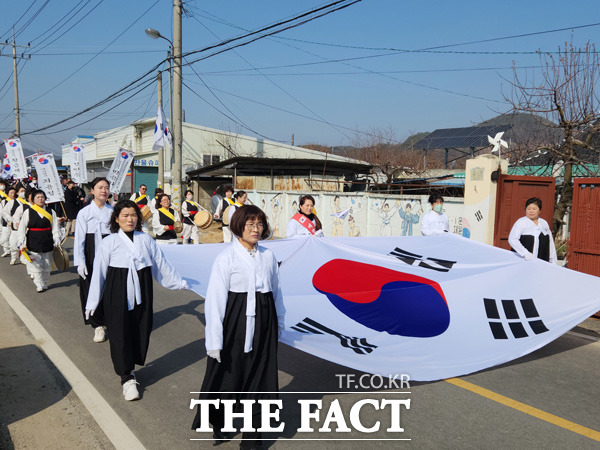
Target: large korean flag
x=430, y=307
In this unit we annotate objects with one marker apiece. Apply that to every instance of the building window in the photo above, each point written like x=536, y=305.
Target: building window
x=208, y=160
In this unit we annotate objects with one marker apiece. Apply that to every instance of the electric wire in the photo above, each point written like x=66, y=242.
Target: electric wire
x=74, y=72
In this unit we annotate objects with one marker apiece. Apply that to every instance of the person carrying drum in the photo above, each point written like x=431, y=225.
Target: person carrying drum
x=91, y=226
x=219, y=213
x=240, y=199
x=166, y=223
x=189, y=209
x=37, y=236
x=141, y=199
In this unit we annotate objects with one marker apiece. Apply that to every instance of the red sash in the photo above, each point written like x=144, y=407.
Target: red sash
x=305, y=222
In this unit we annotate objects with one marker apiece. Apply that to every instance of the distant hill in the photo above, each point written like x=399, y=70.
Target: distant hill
x=526, y=130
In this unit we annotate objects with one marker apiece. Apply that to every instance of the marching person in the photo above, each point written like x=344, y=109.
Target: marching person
x=163, y=222
x=5, y=233
x=14, y=211
x=37, y=236
x=141, y=199
x=91, y=226
x=244, y=317
x=530, y=236
x=305, y=222
x=227, y=201
x=155, y=203
x=189, y=209
x=435, y=221
x=240, y=199
x=121, y=289
x=72, y=206
x=7, y=219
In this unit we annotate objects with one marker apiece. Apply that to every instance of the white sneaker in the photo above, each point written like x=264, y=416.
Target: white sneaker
x=99, y=334
x=130, y=391
x=13, y=262
x=40, y=289
x=5, y=254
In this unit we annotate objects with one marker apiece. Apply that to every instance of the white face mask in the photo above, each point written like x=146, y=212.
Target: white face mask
x=2, y=187
x=190, y=197
x=21, y=194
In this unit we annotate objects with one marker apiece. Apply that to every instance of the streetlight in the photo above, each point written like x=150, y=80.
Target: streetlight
x=155, y=34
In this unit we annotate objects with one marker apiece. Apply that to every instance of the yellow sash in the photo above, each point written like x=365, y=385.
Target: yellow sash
x=229, y=201
x=3, y=194
x=238, y=204
x=43, y=212
x=24, y=202
x=140, y=198
x=193, y=203
x=167, y=213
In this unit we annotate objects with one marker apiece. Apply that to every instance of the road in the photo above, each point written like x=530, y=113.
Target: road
x=548, y=399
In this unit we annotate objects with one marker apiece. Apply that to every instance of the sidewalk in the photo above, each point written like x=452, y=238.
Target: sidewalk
x=38, y=408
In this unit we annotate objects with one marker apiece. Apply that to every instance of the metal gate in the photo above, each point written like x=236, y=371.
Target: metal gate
x=583, y=249
x=513, y=192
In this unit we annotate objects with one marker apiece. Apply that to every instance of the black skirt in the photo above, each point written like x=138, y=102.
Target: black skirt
x=251, y=375
x=128, y=331
x=89, y=252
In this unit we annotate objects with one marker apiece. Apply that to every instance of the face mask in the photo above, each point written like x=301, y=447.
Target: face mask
x=21, y=194
x=438, y=208
x=190, y=197
x=2, y=187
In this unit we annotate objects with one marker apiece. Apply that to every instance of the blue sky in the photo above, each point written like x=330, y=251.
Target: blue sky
x=308, y=95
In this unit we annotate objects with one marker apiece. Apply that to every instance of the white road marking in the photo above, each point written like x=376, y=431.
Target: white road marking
x=113, y=426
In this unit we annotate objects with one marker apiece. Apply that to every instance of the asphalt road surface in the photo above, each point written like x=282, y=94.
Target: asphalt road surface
x=548, y=399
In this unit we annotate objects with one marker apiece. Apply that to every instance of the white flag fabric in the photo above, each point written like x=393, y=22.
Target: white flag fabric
x=48, y=179
x=6, y=170
x=118, y=169
x=431, y=307
x=14, y=150
x=161, y=131
x=342, y=214
x=78, y=164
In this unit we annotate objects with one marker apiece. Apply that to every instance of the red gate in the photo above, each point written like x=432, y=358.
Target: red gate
x=513, y=192
x=583, y=250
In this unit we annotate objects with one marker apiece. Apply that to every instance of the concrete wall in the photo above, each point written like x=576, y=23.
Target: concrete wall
x=369, y=215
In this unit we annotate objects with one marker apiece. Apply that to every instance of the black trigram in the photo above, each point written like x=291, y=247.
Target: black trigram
x=479, y=216
x=358, y=345
x=514, y=322
x=412, y=259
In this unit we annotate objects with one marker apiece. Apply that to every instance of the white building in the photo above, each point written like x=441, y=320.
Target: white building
x=202, y=147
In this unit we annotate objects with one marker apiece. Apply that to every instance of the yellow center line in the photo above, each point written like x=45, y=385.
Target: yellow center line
x=543, y=415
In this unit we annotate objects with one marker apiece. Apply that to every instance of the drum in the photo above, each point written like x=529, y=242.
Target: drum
x=178, y=227
x=146, y=213
x=61, y=258
x=225, y=218
x=202, y=218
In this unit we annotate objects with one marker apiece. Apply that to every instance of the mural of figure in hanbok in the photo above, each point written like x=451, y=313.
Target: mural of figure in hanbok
x=386, y=213
x=275, y=213
x=353, y=230
x=409, y=217
x=336, y=226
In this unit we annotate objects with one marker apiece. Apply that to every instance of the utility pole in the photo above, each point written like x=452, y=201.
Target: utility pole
x=15, y=82
x=161, y=151
x=177, y=105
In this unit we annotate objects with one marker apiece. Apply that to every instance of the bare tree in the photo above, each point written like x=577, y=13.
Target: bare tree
x=567, y=99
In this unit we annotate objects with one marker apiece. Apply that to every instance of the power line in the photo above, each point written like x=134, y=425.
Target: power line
x=95, y=56
x=68, y=29
x=31, y=19
x=322, y=12
x=275, y=84
x=18, y=20
x=56, y=24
